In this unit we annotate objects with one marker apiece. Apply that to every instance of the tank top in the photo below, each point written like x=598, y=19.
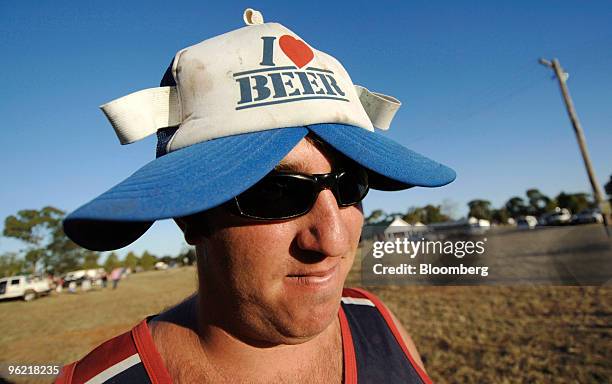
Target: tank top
x=373, y=351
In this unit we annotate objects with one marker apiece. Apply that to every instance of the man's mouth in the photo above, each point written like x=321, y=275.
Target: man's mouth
x=314, y=277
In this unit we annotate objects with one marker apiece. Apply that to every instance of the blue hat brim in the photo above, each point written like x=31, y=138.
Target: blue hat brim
x=395, y=167
x=207, y=174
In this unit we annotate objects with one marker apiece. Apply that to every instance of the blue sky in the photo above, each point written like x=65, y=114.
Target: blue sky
x=474, y=96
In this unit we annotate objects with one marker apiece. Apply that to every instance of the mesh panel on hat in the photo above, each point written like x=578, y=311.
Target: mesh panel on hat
x=163, y=137
x=165, y=134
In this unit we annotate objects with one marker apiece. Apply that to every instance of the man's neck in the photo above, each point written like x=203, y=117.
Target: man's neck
x=186, y=332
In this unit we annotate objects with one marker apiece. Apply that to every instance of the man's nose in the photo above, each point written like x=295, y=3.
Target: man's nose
x=324, y=229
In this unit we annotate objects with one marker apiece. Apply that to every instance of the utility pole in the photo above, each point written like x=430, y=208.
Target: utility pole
x=562, y=76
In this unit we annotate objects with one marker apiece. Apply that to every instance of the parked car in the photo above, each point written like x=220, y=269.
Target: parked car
x=93, y=275
x=560, y=216
x=161, y=266
x=587, y=216
x=526, y=222
x=26, y=287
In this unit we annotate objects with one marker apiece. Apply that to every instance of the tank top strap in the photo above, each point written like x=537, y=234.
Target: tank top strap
x=380, y=353
x=128, y=358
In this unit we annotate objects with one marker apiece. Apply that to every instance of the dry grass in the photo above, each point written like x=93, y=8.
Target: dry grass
x=508, y=334
x=515, y=334
x=62, y=328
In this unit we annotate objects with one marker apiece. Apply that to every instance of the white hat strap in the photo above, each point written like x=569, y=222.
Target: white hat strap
x=142, y=113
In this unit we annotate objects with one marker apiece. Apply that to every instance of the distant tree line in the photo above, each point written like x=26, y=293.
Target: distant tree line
x=426, y=215
x=47, y=249
x=534, y=203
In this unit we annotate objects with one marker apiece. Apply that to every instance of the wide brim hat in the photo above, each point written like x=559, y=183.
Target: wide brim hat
x=227, y=111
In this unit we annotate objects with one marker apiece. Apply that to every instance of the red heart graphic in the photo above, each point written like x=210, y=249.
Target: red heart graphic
x=296, y=50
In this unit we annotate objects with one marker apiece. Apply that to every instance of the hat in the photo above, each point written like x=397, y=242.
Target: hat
x=227, y=111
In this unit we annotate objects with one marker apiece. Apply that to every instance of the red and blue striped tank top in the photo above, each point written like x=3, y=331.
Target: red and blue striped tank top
x=373, y=349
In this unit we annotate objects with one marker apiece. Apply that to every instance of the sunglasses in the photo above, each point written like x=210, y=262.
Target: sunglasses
x=284, y=195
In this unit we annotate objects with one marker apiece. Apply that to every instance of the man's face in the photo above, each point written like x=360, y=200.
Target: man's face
x=280, y=281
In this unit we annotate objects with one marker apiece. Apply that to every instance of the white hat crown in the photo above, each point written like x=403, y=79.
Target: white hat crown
x=262, y=76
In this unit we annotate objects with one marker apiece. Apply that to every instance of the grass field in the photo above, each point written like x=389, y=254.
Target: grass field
x=484, y=334
x=63, y=327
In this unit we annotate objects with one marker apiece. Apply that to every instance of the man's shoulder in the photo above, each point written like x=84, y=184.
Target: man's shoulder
x=117, y=358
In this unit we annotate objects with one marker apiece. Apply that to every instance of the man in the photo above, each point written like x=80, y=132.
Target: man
x=265, y=152
x=116, y=275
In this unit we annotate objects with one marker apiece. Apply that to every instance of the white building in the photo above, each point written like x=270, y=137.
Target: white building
x=399, y=228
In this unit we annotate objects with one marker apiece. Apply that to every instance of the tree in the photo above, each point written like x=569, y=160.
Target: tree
x=608, y=188
x=167, y=259
x=112, y=262
x=433, y=214
x=131, y=261
x=500, y=216
x=90, y=260
x=34, y=228
x=480, y=209
x=188, y=257
x=389, y=217
x=147, y=261
x=34, y=255
x=414, y=214
x=516, y=207
x=374, y=217
x=426, y=215
x=574, y=202
x=11, y=264
x=45, y=240
x=62, y=254
x=538, y=202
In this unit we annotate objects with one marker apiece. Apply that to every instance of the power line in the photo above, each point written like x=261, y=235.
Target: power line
x=505, y=88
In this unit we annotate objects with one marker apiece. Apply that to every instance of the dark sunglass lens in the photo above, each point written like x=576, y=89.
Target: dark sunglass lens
x=352, y=187
x=277, y=196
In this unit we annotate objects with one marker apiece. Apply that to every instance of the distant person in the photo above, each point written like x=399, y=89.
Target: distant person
x=116, y=276
x=86, y=285
x=104, y=280
x=59, y=284
x=265, y=152
x=72, y=286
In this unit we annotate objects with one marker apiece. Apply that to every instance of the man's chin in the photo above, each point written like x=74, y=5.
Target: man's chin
x=309, y=319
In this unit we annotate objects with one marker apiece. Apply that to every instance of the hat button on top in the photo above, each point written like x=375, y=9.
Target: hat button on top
x=252, y=17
